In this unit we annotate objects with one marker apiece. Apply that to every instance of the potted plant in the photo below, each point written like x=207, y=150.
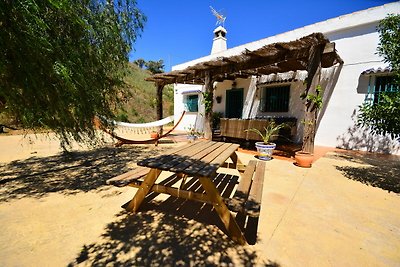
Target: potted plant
x=266, y=147
x=192, y=133
x=154, y=135
x=313, y=102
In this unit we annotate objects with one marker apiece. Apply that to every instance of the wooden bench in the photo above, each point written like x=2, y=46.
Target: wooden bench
x=129, y=177
x=247, y=198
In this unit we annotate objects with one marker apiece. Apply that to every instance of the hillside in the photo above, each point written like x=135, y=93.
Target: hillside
x=141, y=105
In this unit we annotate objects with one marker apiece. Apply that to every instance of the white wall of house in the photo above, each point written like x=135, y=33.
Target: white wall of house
x=190, y=118
x=356, y=40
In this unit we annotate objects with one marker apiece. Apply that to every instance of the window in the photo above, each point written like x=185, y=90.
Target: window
x=383, y=84
x=191, y=103
x=275, y=99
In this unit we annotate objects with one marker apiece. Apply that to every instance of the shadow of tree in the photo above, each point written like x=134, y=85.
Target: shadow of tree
x=358, y=138
x=156, y=238
x=153, y=238
x=376, y=170
x=172, y=232
x=67, y=173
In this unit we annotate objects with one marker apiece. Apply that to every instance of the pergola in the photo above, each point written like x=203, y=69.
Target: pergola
x=310, y=53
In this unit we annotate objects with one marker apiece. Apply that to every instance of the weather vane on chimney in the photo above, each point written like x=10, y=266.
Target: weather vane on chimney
x=220, y=18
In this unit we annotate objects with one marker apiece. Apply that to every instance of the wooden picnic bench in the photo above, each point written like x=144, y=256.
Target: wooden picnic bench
x=200, y=160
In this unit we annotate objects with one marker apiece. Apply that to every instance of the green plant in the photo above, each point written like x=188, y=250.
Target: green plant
x=207, y=101
x=384, y=117
x=216, y=119
x=313, y=103
x=192, y=131
x=122, y=116
x=271, y=130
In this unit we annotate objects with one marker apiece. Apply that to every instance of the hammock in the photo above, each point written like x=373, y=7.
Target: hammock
x=143, y=127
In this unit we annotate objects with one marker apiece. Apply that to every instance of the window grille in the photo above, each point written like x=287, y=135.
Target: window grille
x=383, y=84
x=275, y=99
x=191, y=103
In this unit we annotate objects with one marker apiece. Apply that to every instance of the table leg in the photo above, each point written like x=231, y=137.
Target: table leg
x=237, y=164
x=143, y=190
x=223, y=212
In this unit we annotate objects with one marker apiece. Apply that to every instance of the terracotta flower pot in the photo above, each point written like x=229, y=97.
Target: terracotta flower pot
x=303, y=159
x=154, y=135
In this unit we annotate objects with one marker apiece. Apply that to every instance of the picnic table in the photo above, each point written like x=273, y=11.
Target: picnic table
x=199, y=160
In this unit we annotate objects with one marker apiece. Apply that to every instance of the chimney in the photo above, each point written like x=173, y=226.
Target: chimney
x=219, y=41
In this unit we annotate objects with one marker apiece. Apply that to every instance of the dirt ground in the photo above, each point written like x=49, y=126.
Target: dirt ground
x=56, y=210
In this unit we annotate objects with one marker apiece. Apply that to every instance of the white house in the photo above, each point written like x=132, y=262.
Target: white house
x=356, y=38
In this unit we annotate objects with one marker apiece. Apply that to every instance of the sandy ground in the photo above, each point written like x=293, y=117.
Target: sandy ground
x=56, y=210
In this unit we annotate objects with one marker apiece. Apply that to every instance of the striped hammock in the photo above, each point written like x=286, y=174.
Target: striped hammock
x=141, y=128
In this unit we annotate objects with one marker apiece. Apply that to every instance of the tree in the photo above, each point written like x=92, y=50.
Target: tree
x=389, y=42
x=140, y=62
x=155, y=66
x=384, y=117
x=63, y=61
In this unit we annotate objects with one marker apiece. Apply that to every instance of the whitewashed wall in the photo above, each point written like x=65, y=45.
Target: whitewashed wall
x=357, y=48
x=190, y=117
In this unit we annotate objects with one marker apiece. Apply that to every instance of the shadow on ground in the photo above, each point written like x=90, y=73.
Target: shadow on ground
x=67, y=173
x=376, y=170
x=172, y=232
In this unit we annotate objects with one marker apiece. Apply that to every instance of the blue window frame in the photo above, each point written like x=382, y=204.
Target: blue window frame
x=191, y=103
x=383, y=84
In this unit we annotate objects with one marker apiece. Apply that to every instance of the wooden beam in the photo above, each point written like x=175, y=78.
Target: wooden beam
x=271, y=58
x=223, y=212
x=208, y=83
x=175, y=192
x=144, y=188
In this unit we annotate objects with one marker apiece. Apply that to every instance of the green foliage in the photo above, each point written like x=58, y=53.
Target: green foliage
x=208, y=101
x=271, y=130
x=122, y=116
x=63, y=62
x=140, y=62
x=140, y=106
x=313, y=101
x=384, y=117
x=192, y=131
x=155, y=66
x=389, y=42
x=216, y=119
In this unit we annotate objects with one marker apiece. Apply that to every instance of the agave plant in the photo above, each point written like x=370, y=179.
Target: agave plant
x=270, y=130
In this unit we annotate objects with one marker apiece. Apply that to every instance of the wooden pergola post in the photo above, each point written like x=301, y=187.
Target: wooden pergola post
x=208, y=102
x=159, y=103
x=311, y=108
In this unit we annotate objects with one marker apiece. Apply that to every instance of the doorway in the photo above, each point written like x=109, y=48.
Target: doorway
x=234, y=103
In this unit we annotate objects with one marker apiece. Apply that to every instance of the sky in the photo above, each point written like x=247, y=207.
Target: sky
x=178, y=31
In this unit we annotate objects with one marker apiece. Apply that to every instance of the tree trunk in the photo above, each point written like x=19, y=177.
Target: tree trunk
x=208, y=106
x=309, y=131
x=159, y=103
x=311, y=110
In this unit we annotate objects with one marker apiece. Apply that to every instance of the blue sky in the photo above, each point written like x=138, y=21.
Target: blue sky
x=179, y=31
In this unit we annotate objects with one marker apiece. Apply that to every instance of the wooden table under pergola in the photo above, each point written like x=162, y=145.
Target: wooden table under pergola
x=310, y=53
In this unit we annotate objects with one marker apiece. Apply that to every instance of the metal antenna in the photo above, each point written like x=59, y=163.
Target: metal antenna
x=220, y=18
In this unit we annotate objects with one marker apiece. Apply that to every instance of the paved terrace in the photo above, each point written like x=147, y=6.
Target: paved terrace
x=56, y=210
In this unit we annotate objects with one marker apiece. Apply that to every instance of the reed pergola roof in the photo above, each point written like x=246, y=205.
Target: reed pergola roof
x=273, y=58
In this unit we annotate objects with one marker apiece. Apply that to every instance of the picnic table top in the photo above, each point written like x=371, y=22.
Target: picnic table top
x=201, y=158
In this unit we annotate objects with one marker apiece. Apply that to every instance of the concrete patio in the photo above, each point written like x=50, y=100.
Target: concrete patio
x=56, y=210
